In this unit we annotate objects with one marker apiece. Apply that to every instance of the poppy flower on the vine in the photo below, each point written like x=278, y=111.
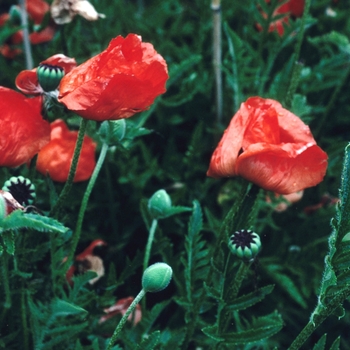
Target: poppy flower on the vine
x=23, y=131
x=271, y=147
x=120, y=308
x=56, y=157
x=89, y=260
x=293, y=8
x=117, y=83
x=27, y=80
x=36, y=9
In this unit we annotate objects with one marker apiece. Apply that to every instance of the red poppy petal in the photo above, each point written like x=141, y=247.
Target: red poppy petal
x=23, y=132
x=27, y=82
x=60, y=60
x=283, y=169
x=43, y=36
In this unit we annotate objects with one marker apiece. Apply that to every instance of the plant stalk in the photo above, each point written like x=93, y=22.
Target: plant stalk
x=26, y=42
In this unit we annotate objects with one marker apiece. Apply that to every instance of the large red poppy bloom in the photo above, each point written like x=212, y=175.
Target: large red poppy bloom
x=27, y=80
x=56, y=157
x=37, y=9
x=271, y=147
x=119, y=82
x=23, y=132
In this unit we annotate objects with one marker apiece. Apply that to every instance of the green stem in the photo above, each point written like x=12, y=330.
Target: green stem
x=26, y=42
x=295, y=76
x=323, y=313
x=24, y=320
x=125, y=318
x=152, y=231
x=68, y=185
x=6, y=281
x=91, y=184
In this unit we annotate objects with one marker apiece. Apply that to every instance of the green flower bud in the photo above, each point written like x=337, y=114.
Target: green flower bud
x=21, y=189
x=15, y=15
x=159, y=204
x=156, y=277
x=245, y=244
x=49, y=76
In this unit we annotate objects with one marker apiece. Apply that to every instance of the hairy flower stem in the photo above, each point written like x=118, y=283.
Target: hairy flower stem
x=151, y=233
x=217, y=53
x=24, y=319
x=323, y=313
x=295, y=76
x=68, y=185
x=90, y=186
x=26, y=42
x=121, y=323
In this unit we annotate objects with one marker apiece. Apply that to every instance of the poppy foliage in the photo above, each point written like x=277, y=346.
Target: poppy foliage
x=271, y=147
x=23, y=131
x=56, y=157
x=117, y=83
x=27, y=80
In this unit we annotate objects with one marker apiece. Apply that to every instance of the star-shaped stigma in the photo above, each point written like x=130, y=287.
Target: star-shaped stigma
x=21, y=189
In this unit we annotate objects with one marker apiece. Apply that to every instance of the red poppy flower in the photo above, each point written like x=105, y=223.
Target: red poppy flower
x=23, y=132
x=290, y=8
x=119, y=82
x=120, y=308
x=36, y=9
x=271, y=147
x=56, y=157
x=27, y=80
x=88, y=260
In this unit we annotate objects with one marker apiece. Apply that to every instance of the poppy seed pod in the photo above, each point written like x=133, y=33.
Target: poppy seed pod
x=245, y=244
x=49, y=76
x=21, y=189
x=156, y=277
x=159, y=204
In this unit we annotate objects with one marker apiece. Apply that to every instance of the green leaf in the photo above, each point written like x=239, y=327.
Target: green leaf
x=336, y=344
x=265, y=327
x=320, y=345
x=150, y=342
x=18, y=219
x=61, y=307
x=250, y=299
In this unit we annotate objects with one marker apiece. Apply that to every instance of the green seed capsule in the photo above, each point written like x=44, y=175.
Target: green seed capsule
x=49, y=76
x=245, y=244
x=156, y=277
x=21, y=189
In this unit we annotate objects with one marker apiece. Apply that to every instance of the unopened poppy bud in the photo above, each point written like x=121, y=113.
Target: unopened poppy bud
x=22, y=190
x=156, y=277
x=245, y=244
x=15, y=15
x=49, y=76
x=159, y=204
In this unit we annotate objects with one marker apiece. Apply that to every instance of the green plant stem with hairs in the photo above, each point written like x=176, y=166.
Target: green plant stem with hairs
x=24, y=319
x=125, y=318
x=73, y=168
x=324, y=312
x=90, y=186
x=6, y=281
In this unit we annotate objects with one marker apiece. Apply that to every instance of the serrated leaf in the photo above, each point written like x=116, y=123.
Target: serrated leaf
x=250, y=299
x=150, y=342
x=175, y=210
x=270, y=325
x=18, y=219
x=212, y=292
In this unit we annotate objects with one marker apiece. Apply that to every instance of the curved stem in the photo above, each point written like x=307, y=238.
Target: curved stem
x=68, y=185
x=152, y=231
x=125, y=318
x=319, y=317
x=91, y=184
